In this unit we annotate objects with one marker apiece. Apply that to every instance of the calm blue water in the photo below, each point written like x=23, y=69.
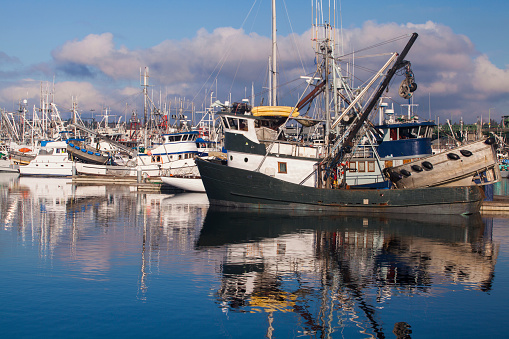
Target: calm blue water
x=104, y=262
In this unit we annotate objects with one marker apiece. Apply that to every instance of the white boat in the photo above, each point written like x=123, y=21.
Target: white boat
x=187, y=179
x=177, y=150
x=6, y=166
x=51, y=160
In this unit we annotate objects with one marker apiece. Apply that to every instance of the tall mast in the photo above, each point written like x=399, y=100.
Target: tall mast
x=273, y=88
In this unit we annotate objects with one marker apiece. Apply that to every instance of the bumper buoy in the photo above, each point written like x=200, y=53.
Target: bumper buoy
x=453, y=156
x=427, y=165
x=465, y=152
x=417, y=168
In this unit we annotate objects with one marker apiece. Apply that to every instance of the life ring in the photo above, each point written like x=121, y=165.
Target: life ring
x=465, y=152
x=149, y=153
x=417, y=168
x=427, y=165
x=453, y=156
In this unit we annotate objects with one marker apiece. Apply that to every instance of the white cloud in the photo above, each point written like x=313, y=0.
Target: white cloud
x=447, y=66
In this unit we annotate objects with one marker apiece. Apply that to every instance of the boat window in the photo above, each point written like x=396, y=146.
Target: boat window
x=362, y=166
x=233, y=123
x=352, y=166
x=408, y=133
x=281, y=167
x=158, y=158
x=243, y=124
x=180, y=156
x=371, y=166
x=224, y=121
x=393, y=134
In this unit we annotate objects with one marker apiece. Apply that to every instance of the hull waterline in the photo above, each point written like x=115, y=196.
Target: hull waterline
x=233, y=187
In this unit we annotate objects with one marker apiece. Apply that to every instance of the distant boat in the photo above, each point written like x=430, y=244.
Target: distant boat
x=80, y=151
x=51, y=160
x=6, y=166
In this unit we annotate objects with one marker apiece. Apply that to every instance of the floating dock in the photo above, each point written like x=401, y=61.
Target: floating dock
x=499, y=205
x=154, y=185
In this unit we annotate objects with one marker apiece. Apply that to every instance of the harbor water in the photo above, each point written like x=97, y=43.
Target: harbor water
x=109, y=262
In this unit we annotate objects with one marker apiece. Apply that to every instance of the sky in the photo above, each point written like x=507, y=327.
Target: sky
x=92, y=52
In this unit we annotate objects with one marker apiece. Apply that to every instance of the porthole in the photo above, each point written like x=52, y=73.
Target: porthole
x=245, y=159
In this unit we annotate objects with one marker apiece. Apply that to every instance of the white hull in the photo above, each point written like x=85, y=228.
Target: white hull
x=51, y=161
x=296, y=169
x=186, y=184
x=47, y=169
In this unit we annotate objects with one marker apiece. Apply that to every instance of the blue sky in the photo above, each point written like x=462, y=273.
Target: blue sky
x=93, y=50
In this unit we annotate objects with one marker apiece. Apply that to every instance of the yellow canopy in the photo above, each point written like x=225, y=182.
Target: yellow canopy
x=274, y=111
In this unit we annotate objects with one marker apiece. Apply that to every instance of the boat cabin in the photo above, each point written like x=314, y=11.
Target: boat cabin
x=180, y=137
x=410, y=130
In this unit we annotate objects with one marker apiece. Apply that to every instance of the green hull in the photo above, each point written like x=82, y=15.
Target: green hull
x=233, y=187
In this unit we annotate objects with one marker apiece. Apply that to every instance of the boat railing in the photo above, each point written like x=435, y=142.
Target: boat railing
x=363, y=151
x=185, y=171
x=296, y=148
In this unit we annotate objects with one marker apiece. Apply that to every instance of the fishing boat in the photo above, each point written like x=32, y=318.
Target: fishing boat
x=177, y=150
x=303, y=178
x=79, y=151
x=459, y=166
x=235, y=187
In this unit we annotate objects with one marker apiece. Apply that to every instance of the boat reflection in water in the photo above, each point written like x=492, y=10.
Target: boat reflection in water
x=340, y=273
x=92, y=225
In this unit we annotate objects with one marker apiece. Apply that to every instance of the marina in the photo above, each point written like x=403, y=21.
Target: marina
x=322, y=204
x=102, y=261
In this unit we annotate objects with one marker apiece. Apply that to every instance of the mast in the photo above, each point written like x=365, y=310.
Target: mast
x=273, y=87
x=397, y=65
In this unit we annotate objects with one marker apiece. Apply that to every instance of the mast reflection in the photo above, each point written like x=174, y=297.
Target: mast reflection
x=337, y=272
x=90, y=227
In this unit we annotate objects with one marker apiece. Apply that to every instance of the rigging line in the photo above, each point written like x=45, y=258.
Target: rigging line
x=293, y=38
x=222, y=61
x=377, y=45
x=280, y=129
x=242, y=55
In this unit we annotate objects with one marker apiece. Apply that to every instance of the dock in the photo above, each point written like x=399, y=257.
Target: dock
x=146, y=185
x=499, y=205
